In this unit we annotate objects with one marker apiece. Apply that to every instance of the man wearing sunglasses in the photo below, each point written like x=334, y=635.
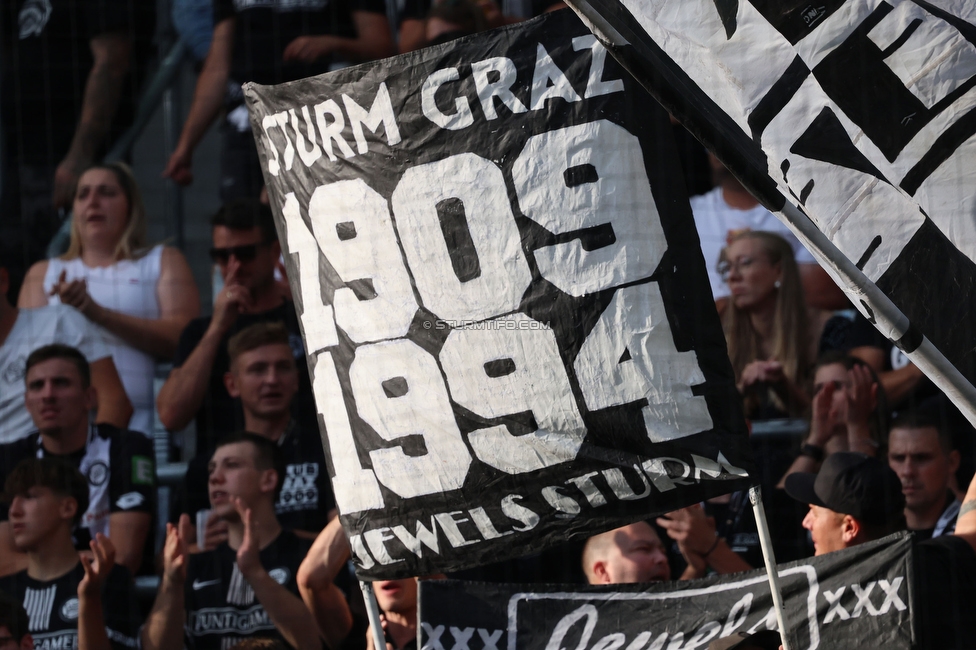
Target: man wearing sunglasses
x=246, y=250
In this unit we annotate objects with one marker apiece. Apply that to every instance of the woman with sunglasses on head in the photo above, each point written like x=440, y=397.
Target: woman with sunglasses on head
x=767, y=325
x=141, y=296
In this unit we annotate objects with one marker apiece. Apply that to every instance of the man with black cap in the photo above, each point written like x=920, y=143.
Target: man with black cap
x=856, y=499
x=853, y=499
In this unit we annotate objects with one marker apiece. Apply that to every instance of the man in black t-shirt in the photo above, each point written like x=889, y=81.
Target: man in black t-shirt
x=921, y=453
x=264, y=376
x=269, y=43
x=246, y=250
x=117, y=464
x=855, y=499
x=60, y=592
x=70, y=77
x=246, y=586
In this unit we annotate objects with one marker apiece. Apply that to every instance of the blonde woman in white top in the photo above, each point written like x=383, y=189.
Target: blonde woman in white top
x=141, y=296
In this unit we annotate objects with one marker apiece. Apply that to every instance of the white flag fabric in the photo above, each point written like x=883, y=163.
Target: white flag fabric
x=854, y=121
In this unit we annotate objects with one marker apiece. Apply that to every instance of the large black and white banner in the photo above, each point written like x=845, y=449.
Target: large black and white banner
x=855, y=120
x=502, y=295
x=857, y=598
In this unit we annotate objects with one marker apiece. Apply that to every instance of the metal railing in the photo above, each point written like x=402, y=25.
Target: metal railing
x=155, y=95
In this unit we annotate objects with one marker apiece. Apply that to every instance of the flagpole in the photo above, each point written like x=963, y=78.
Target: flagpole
x=862, y=291
x=769, y=557
x=884, y=314
x=373, y=612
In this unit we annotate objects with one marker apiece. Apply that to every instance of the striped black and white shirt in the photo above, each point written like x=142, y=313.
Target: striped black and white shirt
x=52, y=608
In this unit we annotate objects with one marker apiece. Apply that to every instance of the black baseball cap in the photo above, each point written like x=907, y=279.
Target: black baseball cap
x=767, y=640
x=852, y=484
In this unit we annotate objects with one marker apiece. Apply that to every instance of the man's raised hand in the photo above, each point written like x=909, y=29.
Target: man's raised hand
x=175, y=550
x=97, y=566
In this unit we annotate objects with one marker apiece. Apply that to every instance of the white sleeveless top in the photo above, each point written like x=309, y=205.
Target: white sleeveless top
x=129, y=287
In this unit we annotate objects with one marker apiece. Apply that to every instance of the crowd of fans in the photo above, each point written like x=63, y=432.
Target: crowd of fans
x=253, y=547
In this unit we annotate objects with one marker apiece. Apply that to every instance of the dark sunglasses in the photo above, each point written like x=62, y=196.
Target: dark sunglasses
x=244, y=253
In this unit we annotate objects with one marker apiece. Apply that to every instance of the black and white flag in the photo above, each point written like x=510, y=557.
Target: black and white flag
x=860, y=597
x=508, y=319
x=855, y=121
